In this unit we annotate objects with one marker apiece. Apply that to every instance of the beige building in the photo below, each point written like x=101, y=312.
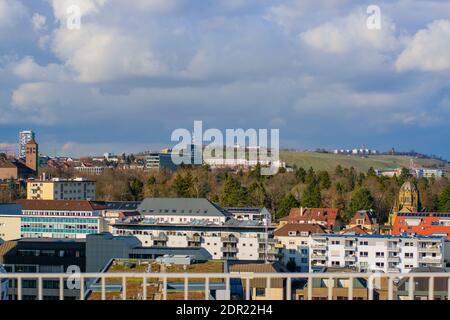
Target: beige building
x=10, y=215
x=260, y=289
x=61, y=189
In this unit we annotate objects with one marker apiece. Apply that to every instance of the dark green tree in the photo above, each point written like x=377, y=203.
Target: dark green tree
x=444, y=200
x=182, y=186
x=300, y=175
x=136, y=188
x=286, y=204
x=233, y=194
x=324, y=180
x=311, y=196
x=361, y=200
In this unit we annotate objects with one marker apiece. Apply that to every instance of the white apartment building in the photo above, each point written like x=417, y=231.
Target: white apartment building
x=182, y=222
x=376, y=252
x=61, y=189
x=293, y=241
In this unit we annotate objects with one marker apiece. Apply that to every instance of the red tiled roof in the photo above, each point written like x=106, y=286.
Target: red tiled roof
x=285, y=230
x=62, y=205
x=363, y=214
x=357, y=230
x=300, y=215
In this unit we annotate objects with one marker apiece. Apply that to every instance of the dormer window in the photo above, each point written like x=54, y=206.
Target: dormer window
x=292, y=233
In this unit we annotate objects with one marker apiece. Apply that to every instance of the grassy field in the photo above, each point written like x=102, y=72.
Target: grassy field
x=328, y=161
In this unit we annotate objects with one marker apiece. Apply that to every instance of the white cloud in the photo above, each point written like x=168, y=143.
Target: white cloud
x=87, y=7
x=345, y=34
x=29, y=70
x=10, y=12
x=38, y=21
x=100, y=54
x=428, y=50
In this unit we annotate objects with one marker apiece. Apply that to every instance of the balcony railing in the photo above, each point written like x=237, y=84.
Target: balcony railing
x=190, y=282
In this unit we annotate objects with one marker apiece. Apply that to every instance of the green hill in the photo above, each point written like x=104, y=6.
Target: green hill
x=329, y=161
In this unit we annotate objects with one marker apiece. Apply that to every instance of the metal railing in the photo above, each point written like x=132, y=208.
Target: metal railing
x=210, y=280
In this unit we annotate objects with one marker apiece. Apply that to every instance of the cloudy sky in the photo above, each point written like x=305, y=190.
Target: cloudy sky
x=138, y=69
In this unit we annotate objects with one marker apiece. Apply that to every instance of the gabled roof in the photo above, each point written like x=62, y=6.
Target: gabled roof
x=357, y=230
x=366, y=215
x=328, y=215
x=181, y=207
x=298, y=228
x=60, y=205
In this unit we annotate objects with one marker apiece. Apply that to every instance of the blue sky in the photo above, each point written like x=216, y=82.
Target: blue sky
x=138, y=69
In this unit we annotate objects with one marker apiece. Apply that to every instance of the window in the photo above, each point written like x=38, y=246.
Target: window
x=335, y=242
x=260, y=292
x=379, y=254
x=364, y=254
x=409, y=255
x=364, y=243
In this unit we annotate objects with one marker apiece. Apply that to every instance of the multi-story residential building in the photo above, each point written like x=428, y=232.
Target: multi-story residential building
x=61, y=189
x=10, y=215
x=293, y=240
x=72, y=219
x=422, y=223
x=376, y=252
x=24, y=138
x=179, y=222
x=253, y=214
x=42, y=256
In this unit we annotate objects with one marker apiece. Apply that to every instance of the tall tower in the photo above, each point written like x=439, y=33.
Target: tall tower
x=408, y=201
x=24, y=138
x=32, y=156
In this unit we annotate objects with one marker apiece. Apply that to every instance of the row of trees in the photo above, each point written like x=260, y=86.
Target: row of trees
x=345, y=188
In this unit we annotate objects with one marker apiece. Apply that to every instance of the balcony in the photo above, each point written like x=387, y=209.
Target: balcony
x=393, y=259
x=100, y=283
x=393, y=248
x=431, y=249
x=319, y=257
x=160, y=238
x=350, y=258
x=319, y=245
x=229, y=249
x=194, y=239
x=231, y=239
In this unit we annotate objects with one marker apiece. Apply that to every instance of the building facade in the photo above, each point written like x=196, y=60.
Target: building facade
x=70, y=219
x=42, y=256
x=376, y=252
x=10, y=215
x=61, y=189
x=293, y=240
x=179, y=222
x=25, y=137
